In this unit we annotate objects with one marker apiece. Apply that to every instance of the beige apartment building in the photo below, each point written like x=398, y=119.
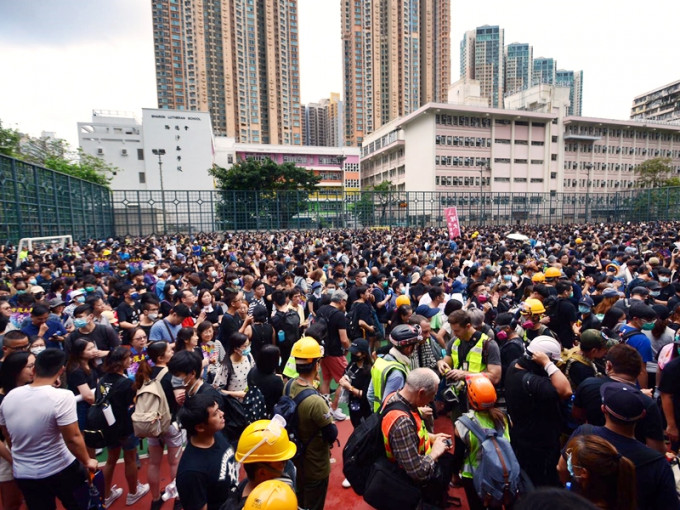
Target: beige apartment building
x=396, y=57
x=237, y=59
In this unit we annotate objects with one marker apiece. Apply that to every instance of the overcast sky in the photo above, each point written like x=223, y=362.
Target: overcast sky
x=60, y=59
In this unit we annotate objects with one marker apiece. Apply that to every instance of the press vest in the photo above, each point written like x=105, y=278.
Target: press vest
x=424, y=443
x=379, y=372
x=475, y=364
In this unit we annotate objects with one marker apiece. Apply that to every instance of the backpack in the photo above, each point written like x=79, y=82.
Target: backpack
x=99, y=432
x=365, y=446
x=151, y=416
x=497, y=478
x=255, y=405
x=287, y=408
x=289, y=322
x=353, y=329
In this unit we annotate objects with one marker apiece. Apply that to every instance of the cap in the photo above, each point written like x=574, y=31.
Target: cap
x=55, y=302
x=640, y=290
x=76, y=292
x=316, y=285
x=653, y=261
x=652, y=285
x=435, y=281
x=359, y=345
x=426, y=311
x=547, y=345
x=641, y=311
x=586, y=300
x=414, y=278
x=593, y=339
x=622, y=401
x=610, y=293
x=37, y=289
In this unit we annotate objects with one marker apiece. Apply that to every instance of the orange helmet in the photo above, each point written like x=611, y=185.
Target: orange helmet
x=552, y=272
x=403, y=300
x=481, y=393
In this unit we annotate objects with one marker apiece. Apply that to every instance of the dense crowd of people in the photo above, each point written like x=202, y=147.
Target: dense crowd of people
x=563, y=339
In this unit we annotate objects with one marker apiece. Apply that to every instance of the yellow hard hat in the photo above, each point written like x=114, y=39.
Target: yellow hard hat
x=474, y=235
x=271, y=495
x=553, y=272
x=534, y=306
x=578, y=240
x=307, y=349
x=538, y=278
x=403, y=300
x=260, y=442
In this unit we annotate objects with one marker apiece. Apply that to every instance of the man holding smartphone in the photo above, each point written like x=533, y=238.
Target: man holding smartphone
x=40, y=324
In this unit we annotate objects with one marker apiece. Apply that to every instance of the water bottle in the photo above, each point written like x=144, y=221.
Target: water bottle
x=281, y=335
x=170, y=491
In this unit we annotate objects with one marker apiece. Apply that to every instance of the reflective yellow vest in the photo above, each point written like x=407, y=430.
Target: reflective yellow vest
x=474, y=453
x=474, y=361
x=379, y=372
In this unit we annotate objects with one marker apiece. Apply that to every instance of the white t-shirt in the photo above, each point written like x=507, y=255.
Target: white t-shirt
x=33, y=416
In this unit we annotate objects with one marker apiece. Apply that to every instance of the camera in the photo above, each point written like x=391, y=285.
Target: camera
x=448, y=443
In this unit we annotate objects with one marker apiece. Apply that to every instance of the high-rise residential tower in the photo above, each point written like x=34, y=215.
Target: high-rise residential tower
x=544, y=71
x=661, y=104
x=396, y=58
x=481, y=57
x=322, y=122
x=518, y=67
x=573, y=80
x=237, y=59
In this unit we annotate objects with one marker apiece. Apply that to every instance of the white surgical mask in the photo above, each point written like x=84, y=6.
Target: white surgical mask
x=37, y=350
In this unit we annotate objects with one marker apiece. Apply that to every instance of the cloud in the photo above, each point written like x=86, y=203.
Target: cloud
x=67, y=22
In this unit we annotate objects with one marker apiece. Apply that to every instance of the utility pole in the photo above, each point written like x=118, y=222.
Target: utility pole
x=160, y=153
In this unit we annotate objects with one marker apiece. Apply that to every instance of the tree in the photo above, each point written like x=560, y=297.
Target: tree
x=378, y=194
x=9, y=141
x=655, y=173
x=262, y=194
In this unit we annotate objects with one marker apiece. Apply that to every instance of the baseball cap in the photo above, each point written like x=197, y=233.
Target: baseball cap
x=359, y=345
x=427, y=311
x=640, y=291
x=586, y=300
x=641, y=311
x=652, y=285
x=435, y=281
x=316, y=285
x=55, y=302
x=622, y=401
x=610, y=292
x=593, y=339
x=37, y=289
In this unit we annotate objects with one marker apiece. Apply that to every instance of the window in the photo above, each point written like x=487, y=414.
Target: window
x=553, y=157
x=537, y=142
x=142, y=177
x=501, y=179
x=533, y=179
x=140, y=154
x=520, y=179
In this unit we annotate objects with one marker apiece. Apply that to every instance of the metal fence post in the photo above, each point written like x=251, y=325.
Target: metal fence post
x=17, y=200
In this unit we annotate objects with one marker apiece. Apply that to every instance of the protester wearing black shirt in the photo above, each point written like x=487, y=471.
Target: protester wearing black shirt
x=263, y=376
x=564, y=316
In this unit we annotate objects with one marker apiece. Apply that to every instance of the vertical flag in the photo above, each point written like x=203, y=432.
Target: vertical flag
x=451, y=215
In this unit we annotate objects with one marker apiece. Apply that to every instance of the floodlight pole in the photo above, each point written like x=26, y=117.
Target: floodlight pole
x=160, y=153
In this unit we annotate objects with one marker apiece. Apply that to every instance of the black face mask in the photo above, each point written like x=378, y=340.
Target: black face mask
x=355, y=358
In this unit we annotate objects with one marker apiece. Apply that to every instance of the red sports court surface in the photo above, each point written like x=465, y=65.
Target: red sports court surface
x=337, y=497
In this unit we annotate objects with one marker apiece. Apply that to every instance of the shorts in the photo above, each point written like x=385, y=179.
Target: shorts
x=5, y=471
x=126, y=443
x=333, y=367
x=172, y=438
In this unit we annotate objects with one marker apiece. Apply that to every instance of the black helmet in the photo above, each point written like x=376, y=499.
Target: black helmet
x=405, y=335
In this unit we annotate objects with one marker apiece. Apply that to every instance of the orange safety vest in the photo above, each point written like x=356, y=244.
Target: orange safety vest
x=424, y=443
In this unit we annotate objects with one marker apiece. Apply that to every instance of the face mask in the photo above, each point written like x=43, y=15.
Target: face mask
x=655, y=293
x=599, y=316
x=664, y=279
x=235, y=281
x=507, y=277
x=482, y=298
x=213, y=274
x=342, y=285
x=21, y=292
x=153, y=316
x=584, y=310
x=648, y=326
x=502, y=335
x=80, y=299
x=402, y=290
x=385, y=284
x=123, y=273
x=33, y=281
x=519, y=271
x=570, y=466
x=37, y=350
x=89, y=289
x=80, y=323
x=362, y=281
x=177, y=382
x=571, y=295
x=246, y=351
x=200, y=264
x=135, y=295
x=528, y=324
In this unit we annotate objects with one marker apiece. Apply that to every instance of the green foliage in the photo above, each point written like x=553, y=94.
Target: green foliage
x=256, y=193
x=56, y=154
x=655, y=173
x=379, y=195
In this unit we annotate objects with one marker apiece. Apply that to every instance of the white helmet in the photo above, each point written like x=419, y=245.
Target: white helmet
x=547, y=345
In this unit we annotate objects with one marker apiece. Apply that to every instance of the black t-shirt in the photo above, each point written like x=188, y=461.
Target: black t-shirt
x=104, y=337
x=207, y=389
x=271, y=386
x=655, y=482
x=587, y=397
x=122, y=396
x=206, y=476
x=230, y=324
x=562, y=320
x=534, y=406
x=510, y=351
x=670, y=383
x=362, y=311
x=127, y=313
x=579, y=372
x=166, y=383
x=78, y=377
x=336, y=321
x=590, y=322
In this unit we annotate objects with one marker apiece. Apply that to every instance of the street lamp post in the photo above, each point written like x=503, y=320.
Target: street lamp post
x=482, y=167
x=589, y=167
x=160, y=153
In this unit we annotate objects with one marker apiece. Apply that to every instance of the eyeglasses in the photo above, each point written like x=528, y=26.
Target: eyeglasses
x=23, y=347
x=139, y=338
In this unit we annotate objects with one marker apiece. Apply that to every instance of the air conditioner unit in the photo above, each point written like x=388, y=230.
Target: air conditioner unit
x=123, y=152
x=100, y=151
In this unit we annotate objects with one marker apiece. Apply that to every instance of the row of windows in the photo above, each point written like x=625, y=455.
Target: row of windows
x=584, y=183
x=461, y=120
x=462, y=141
x=626, y=151
x=505, y=141
x=451, y=180
x=625, y=133
x=461, y=161
x=583, y=165
x=522, y=161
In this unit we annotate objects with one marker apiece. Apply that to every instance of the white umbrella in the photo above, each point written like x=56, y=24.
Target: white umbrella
x=517, y=236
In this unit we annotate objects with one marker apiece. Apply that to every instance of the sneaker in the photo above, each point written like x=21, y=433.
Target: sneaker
x=142, y=489
x=115, y=493
x=346, y=484
x=338, y=415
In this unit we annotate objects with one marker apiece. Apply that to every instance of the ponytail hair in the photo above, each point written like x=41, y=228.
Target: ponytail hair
x=154, y=351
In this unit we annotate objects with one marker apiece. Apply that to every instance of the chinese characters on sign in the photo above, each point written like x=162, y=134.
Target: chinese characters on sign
x=451, y=215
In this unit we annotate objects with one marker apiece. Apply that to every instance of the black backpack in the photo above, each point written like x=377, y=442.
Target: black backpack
x=99, y=433
x=289, y=322
x=353, y=329
x=365, y=446
x=287, y=407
